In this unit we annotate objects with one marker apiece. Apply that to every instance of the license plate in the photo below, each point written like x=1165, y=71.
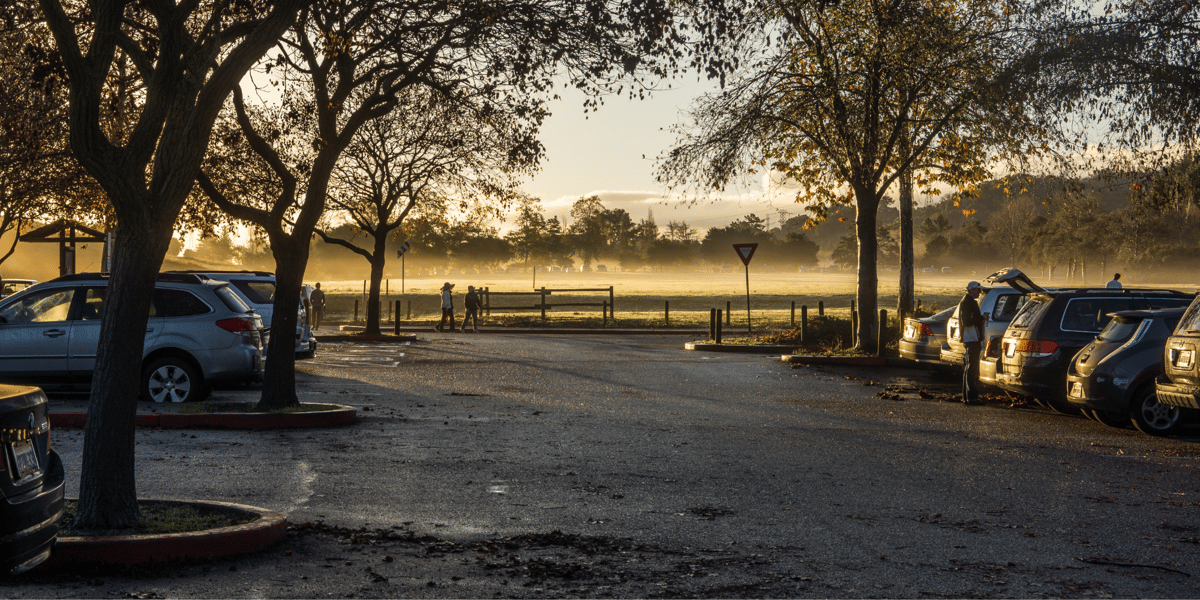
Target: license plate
x=26, y=458
x=1184, y=360
x=1077, y=390
x=910, y=332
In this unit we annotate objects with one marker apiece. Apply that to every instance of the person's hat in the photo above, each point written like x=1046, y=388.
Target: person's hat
x=451, y=286
x=974, y=285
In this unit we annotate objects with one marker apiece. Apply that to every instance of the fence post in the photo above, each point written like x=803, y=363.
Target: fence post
x=611, y=301
x=803, y=321
x=543, y=303
x=712, y=323
x=882, y=331
x=398, y=316
x=389, y=305
x=727, y=311
x=793, y=314
x=718, y=336
x=410, y=310
x=667, y=311
x=355, y=310
x=487, y=301
x=820, y=308
x=605, y=314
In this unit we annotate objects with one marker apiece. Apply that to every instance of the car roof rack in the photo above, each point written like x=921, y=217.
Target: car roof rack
x=224, y=272
x=172, y=277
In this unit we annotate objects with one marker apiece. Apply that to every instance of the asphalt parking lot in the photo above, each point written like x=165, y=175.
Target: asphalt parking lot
x=623, y=466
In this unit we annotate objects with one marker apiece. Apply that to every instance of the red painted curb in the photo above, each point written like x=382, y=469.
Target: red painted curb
x=343, y=415
x=128, y=550
x=860, y=361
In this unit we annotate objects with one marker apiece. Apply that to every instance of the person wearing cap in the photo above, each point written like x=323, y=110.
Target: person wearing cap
x=971, y=327
x=447, y=308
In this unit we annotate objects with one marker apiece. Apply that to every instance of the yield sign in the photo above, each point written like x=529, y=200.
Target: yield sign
x=745, y=252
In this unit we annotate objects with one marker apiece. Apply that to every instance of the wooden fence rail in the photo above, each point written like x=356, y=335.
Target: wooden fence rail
x=542, y=305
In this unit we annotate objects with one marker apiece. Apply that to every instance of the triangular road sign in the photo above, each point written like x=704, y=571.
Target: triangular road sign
x=745, y=252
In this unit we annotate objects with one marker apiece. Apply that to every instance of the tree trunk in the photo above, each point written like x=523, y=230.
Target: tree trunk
x=279, y=375
x=905, y=297
x=868, y=263
x=378, y=260
x=107, y=484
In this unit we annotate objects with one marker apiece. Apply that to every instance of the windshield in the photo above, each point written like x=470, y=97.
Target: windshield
x=1119, y=329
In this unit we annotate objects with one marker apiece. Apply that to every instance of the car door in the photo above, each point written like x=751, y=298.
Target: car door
x=85, y=330
x=35, y=330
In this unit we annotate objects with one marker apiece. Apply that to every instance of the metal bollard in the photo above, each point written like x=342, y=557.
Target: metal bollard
x=803, y=321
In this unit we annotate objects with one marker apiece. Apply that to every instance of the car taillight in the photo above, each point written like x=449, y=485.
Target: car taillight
x=925, y=330
x=236, y=325
x=1036, y=347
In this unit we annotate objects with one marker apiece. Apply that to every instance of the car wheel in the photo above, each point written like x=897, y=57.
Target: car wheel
x=1150, y=416
x=1112, y=419
x=172, y=379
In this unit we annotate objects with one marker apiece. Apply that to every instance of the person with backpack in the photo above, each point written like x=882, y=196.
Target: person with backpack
x=472, y=303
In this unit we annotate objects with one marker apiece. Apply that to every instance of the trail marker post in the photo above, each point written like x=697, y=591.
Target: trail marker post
x=746, y=252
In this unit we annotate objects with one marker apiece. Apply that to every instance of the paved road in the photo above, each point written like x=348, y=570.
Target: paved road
x=624, y=466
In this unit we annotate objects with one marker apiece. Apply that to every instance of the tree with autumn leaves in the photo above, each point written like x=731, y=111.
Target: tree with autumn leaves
x=837, y=100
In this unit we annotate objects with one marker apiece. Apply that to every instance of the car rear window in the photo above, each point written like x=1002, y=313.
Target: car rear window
x=259, y=292
x=232, y=300
x=1167, y=302
x=177, y=303
x=1119, y=329
x=1190, y=323
x=1031, y=312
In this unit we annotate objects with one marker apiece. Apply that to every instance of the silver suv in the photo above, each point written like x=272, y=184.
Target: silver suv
x=200, y=333
x=257, y=288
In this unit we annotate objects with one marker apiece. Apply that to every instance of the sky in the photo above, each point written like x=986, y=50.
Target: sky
x=612, y=153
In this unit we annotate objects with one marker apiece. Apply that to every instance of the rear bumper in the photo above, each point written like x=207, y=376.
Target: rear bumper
x=1096, y=396
x=919, y=352
x=1182, y=396
x=30, y=522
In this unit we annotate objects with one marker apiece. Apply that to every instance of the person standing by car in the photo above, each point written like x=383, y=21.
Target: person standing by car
x=472, y=304
x=447, y=308
x=1115, y=284
x=317, y=299
x=971, y=324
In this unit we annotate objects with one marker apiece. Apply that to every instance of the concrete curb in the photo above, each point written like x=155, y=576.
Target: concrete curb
x=745, y=348
x=858, y=361
x=511, y=330
x=343, y=415
x=350, y=337
x=128, y=550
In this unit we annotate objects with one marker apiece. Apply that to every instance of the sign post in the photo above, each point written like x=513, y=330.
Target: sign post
x=400, y=255
x=746, y=252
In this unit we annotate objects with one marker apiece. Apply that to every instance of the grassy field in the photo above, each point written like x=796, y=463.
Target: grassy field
x=640, y=299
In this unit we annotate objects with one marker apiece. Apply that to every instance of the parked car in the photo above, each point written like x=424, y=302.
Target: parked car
x=1179, y=385
x=922, y=338
x=12, y=286
x=31, y=480
x=1054, y=326
x=257, y=288
x=1003, y=295
x=200, y=333
x=1112, y=378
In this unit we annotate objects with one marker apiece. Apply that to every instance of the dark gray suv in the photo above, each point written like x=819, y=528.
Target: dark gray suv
x=200, y=333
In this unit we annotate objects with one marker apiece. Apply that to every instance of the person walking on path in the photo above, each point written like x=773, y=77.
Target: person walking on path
x=471, y=301
x=317, y=299
x=447, y=308
x=1115, y=284
x=971, y=327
